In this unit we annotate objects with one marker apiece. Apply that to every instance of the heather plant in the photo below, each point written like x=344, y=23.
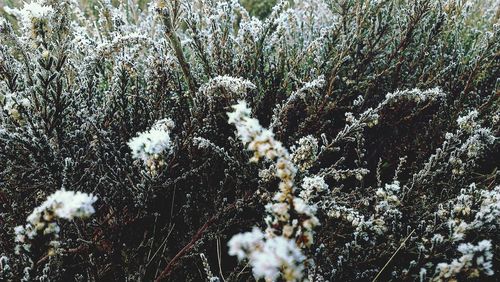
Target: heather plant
x=213, y=140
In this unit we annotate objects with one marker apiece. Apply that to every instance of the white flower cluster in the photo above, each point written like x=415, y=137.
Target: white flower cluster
x=149, y=146
x=61, y=204
x=468, y=122
x=234, y=85
x=475, y=260
x=311, y=187
x=149, y=143
x=481, y=205
x=291, y=217
x=32, y=14
x=416, y=95
x=304, y=154
x=489, y=212
x=34, y=10
x=462, y=208
x=260, y=140
x=388, y=201
x=268, y=255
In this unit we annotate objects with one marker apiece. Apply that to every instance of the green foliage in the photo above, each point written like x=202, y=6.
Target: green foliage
x=259, y=8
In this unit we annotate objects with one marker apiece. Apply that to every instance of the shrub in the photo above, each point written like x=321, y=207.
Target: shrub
x=327, y=140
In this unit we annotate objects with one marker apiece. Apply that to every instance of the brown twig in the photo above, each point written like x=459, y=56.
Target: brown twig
x=170, y=266
x=393, y=255
x=197, y=236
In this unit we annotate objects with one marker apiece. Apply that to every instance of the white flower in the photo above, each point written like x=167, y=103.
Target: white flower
x=279, y=209
x=477, y=258
x=149, y=143
x=240, y=111
x=65, y=204
x=35, y=10
x=242, y=243
x=61, y=204
x=304, y=155
x=278, y=253
x=272, y=256
x=165, y=124
x=312, y=186
x=268, y=257
x=303, y=208
x=468, y=123
x=70, y=204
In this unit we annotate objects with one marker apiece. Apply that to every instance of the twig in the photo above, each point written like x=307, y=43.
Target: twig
x=393, y=255
x=159, y=248
x=219, y=259
x=166, y=271
x=197, y=236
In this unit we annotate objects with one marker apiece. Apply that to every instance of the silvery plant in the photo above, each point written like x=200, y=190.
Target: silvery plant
x=212, y=140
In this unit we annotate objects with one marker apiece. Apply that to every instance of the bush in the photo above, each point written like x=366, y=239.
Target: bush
x=329, y=140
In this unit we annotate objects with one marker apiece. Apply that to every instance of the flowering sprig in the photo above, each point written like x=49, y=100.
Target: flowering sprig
x=475, y=261
x=42, y=221
x=304, y=154
x=34, y=16
x=290, y=219
x=149, y=146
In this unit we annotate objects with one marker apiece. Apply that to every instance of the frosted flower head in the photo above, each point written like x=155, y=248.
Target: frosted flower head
x=241, y=111
x=304, y=154
x=149, y=143
x=61, y=204
x=303, y=208
x=65, y=204
x=32, y=14
x=70, y=204
x=475, y=260
x=468, y=123
x=269, y=257
x=312, y=186
x=165, y=124
x=241, y=243
x=278, y=254
x=36, y=10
